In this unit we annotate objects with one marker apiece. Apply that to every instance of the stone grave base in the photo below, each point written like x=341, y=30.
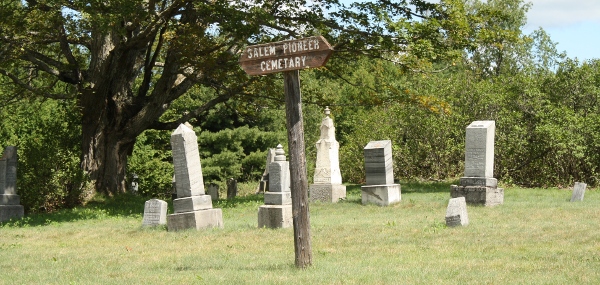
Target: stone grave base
x=275, y=216
x=278, y=198
x=193, y=203
x=209, y=218
x=329, y=193
x=382, y=195
x=10, y=199
x=8, y=212
x=480, y=195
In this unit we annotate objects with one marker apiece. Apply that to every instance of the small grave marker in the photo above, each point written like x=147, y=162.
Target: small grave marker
x=456, y=213
x=578, y=192
x=155, y=213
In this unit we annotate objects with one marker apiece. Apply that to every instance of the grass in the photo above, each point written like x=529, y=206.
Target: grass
x=536, y=237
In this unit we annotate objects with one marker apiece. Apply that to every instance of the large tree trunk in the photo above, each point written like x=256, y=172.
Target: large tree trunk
x=105, y=146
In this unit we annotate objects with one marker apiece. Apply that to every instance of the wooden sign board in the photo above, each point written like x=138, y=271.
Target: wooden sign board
x=286, y=55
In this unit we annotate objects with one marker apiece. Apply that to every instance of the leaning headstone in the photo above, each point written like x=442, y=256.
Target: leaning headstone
x=456, y=213
x=478, y=184
x=10, y=207
x=277, y=211
x=327, y=185
x=193, y=208
x=263, y=184
x=578, y=192
x=155, y=213
x=380, y=188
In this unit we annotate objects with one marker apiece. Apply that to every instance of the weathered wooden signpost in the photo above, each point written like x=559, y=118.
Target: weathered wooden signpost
x=289, y=57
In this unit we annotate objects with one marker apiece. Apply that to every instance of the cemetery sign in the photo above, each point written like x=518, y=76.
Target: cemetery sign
x=288, y=55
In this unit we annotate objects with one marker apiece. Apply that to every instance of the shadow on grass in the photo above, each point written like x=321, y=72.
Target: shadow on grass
x=122, y=205
x=353, y=191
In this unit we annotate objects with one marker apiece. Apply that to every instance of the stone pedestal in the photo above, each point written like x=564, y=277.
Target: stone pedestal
x=209, y=218
x=10, y=207
x=381, y=195
x=327, y=192
x=275, y=216
x=277, y=211
x=476, y=192
x=327, y=185
x=193, y=209
x=380, y=188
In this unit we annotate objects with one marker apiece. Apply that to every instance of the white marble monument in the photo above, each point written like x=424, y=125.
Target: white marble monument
x=10, y=207
x=193, y=208
x=277, y=211
x=478, y=185
x=327, y=185
x=380, y=188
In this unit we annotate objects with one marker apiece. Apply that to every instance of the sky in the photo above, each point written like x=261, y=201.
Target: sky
x=573, y=24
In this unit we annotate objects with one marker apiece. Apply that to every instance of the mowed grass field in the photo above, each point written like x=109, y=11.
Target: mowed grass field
x=536, y=237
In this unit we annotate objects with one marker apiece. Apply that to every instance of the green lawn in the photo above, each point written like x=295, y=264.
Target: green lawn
x=536, y=237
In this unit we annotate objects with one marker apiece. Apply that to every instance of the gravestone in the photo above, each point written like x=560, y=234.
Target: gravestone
x=478, y=184
x=327, y=185
x=231, y=188
x=193, y=208
x=380, y=188
x=263, y=185
x=456, y=213
x=213, y=191
x=10, y=207
x=155, y=213
x=277, y=211
x=578, y=192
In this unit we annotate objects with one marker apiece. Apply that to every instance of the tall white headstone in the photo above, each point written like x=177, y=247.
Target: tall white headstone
x=479, y=149
x=380, y=188
x=479, y=186
x=327, y=185
x=10, y=207
x=277, y=211
x=193, y=209
x=186, y=160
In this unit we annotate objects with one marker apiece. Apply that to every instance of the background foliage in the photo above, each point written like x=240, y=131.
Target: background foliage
x=546, y=109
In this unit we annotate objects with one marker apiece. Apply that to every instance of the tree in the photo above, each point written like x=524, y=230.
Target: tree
x=125, y=62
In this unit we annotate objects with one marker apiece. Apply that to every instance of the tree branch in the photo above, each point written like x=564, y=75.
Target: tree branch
x=32, y=89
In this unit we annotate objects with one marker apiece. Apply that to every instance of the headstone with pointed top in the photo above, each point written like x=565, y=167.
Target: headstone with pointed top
x=277, y=211
x=10, y=207
x=380, y=189
x=478, y=185
x=327, y=185
x=193, y=208
x=263, y=185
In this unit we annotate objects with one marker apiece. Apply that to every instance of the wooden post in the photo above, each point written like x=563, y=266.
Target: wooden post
x=298, y=176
